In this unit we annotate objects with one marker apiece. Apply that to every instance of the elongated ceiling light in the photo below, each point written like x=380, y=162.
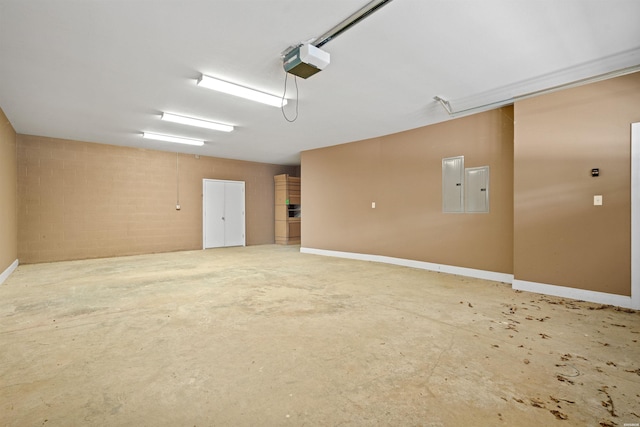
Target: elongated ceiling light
x=169, y=138
x=196, y=122
x=241, y=91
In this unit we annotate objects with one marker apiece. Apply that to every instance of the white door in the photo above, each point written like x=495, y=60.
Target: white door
x=234, y=214
x=223, y=213
x=213, y=213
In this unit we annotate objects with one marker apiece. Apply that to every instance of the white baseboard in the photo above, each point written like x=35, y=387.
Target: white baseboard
x=5, y=274
x=441, y=268
x=522, y=285
x=574, y=293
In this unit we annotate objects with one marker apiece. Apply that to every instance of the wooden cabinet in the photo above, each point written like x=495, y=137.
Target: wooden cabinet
x=288, y=210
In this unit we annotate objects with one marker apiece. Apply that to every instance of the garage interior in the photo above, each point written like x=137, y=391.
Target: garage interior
x=515, y=305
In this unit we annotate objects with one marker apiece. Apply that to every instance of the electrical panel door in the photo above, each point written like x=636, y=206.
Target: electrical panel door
x=477, y=189
x=453, y=184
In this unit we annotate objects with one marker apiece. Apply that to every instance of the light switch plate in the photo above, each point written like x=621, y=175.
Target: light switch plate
x=373, y=205
x=597, y=200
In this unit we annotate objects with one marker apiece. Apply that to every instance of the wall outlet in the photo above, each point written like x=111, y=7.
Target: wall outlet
x=177, y=207
x=597, y=200
x=373, y=205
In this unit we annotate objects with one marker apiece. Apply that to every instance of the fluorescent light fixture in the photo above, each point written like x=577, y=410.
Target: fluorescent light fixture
x=241, y=91
x=169, y=138
x=196, y=122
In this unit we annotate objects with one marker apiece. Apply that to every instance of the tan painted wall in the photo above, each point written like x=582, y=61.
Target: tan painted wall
x=8, y=197
x=402, y=173
x=82, y=200
x=560, y=237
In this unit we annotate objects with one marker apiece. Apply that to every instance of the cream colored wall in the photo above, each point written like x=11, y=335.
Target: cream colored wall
x=8, y=196
x=402, y=173
x=543, y=226
x=561, y=238
x=82, y=200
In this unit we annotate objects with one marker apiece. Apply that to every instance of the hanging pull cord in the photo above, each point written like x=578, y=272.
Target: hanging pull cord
x=295, y=80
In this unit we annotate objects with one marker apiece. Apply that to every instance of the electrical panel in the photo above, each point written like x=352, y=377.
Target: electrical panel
x=476, y=196
x=453, y=184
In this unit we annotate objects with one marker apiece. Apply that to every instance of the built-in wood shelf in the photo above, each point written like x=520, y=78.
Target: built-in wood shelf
x=288, y=209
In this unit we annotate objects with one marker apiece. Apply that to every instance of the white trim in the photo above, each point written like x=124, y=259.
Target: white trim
x=616, y=65
x=441, y=268
x=635, y=216
x=573, y=293
x=522, y=285
x=5, y=274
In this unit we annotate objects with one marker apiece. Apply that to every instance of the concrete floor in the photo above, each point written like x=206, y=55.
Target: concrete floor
x=267, y=336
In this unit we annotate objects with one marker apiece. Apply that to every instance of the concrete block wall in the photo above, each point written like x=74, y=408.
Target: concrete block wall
x=80, y=200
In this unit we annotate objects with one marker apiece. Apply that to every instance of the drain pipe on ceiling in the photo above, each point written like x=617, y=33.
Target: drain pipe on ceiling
x=352, y=20
x=609, y=75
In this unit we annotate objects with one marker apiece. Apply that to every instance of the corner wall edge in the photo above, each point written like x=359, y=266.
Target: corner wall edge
x=7, y=272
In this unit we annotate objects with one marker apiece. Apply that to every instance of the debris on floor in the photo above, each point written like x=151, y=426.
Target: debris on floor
x=559, y=415
x=564, y=379
x=609, y=402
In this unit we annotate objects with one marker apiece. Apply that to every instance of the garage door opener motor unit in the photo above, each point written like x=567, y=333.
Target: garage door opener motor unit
x=305, y=60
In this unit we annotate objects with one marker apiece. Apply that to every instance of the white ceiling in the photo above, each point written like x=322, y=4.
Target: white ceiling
x=103, y=70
